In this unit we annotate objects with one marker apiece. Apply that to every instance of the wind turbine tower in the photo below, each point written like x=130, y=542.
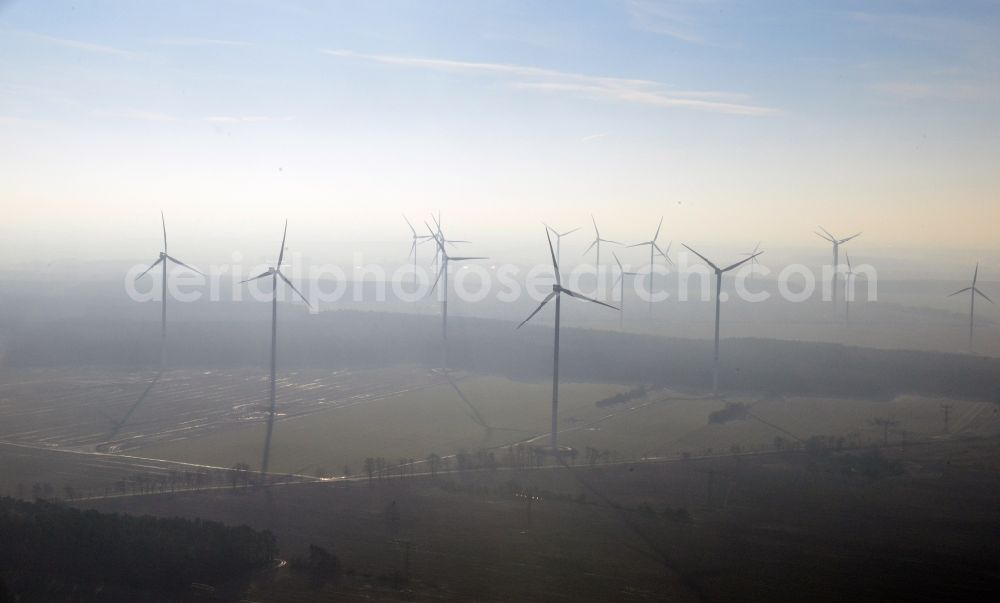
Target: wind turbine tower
x=557, y=291
x=442, y=277
x=973, y=291
x=275, y=273
x=621, y=291
x=652, y=247
x=836, y=256
x=718, y=298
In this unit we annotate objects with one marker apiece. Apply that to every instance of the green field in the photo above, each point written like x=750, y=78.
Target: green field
x=410, y=425
x=667, y=426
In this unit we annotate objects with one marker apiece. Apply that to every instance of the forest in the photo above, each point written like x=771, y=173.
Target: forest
x=350, y=339
x=51, y=549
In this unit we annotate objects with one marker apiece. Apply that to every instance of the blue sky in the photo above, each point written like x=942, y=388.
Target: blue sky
x=736, y=120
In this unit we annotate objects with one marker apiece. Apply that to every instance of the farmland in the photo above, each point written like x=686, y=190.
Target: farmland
x=772, y=527
x=408, y=425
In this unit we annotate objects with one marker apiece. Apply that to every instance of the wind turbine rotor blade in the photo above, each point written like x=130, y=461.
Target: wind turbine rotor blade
x=707, y=261
x=547, y=299
x=986, y=297
x=586, y=251
x=618, y=279
x=741, y=262
x=637, y=245
x=594, y=220
x=413, y=248
x=849, y=269
x=824, y=237
x=828, y=234
x=585, y=298
x=289, y=283
x=163, y=221
x=960, y=291
x=410, y=225
x=610, y=241
x=658, y=228
x=552, y=252
x=619, y=262
x=180, y=263
x=854, y=236
x=261, y=275
x=151, y=266
x=434, y=236
x=568, y=232
x=281, y=254
x=666, y=254
x=470, y=257
x=438, y=277
x=975, y=275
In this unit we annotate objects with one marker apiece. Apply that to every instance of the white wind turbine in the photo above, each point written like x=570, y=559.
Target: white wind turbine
x=836, y=255
x=718, y=299
x=598, y=239
x=557, y=291
x=652, y=247
x=442, y=276
x=275, y=273
x=163, y=259
x=973, y=290
x=439, y=234
x=559, y=236
x=416, y=240
x=848, y=290
x=754, y=261
x=621, y=292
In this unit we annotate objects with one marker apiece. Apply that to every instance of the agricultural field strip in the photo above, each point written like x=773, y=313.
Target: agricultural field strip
x=194, y=404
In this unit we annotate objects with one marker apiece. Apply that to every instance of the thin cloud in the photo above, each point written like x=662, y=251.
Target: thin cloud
x=639, y=91
x=145, y=115
x=594, y=137
x=198, y=42
x=233, y=119
x=84, y=46
x=666, y=18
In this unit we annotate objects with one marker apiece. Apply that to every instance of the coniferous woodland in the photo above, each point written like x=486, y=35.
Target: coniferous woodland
x=48, y=547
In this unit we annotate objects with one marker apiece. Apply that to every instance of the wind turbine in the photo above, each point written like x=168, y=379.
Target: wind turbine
x=718, y=299
x=557, y=291
x=836, y=255
x=413, y=246
x=597, y=242
x=445, y=259
x=848, y=290
x=163, y=259
x=652, y=247
x=973, y=290
x=756, y=248
x=275, y=273
x=621, y=295
x=559, y=236
x=439, y=234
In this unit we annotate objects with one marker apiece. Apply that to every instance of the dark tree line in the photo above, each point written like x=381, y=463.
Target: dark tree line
x=51, y=542
x=372, y=340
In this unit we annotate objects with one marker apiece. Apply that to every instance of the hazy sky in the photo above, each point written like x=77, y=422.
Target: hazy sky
x=739, y=121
